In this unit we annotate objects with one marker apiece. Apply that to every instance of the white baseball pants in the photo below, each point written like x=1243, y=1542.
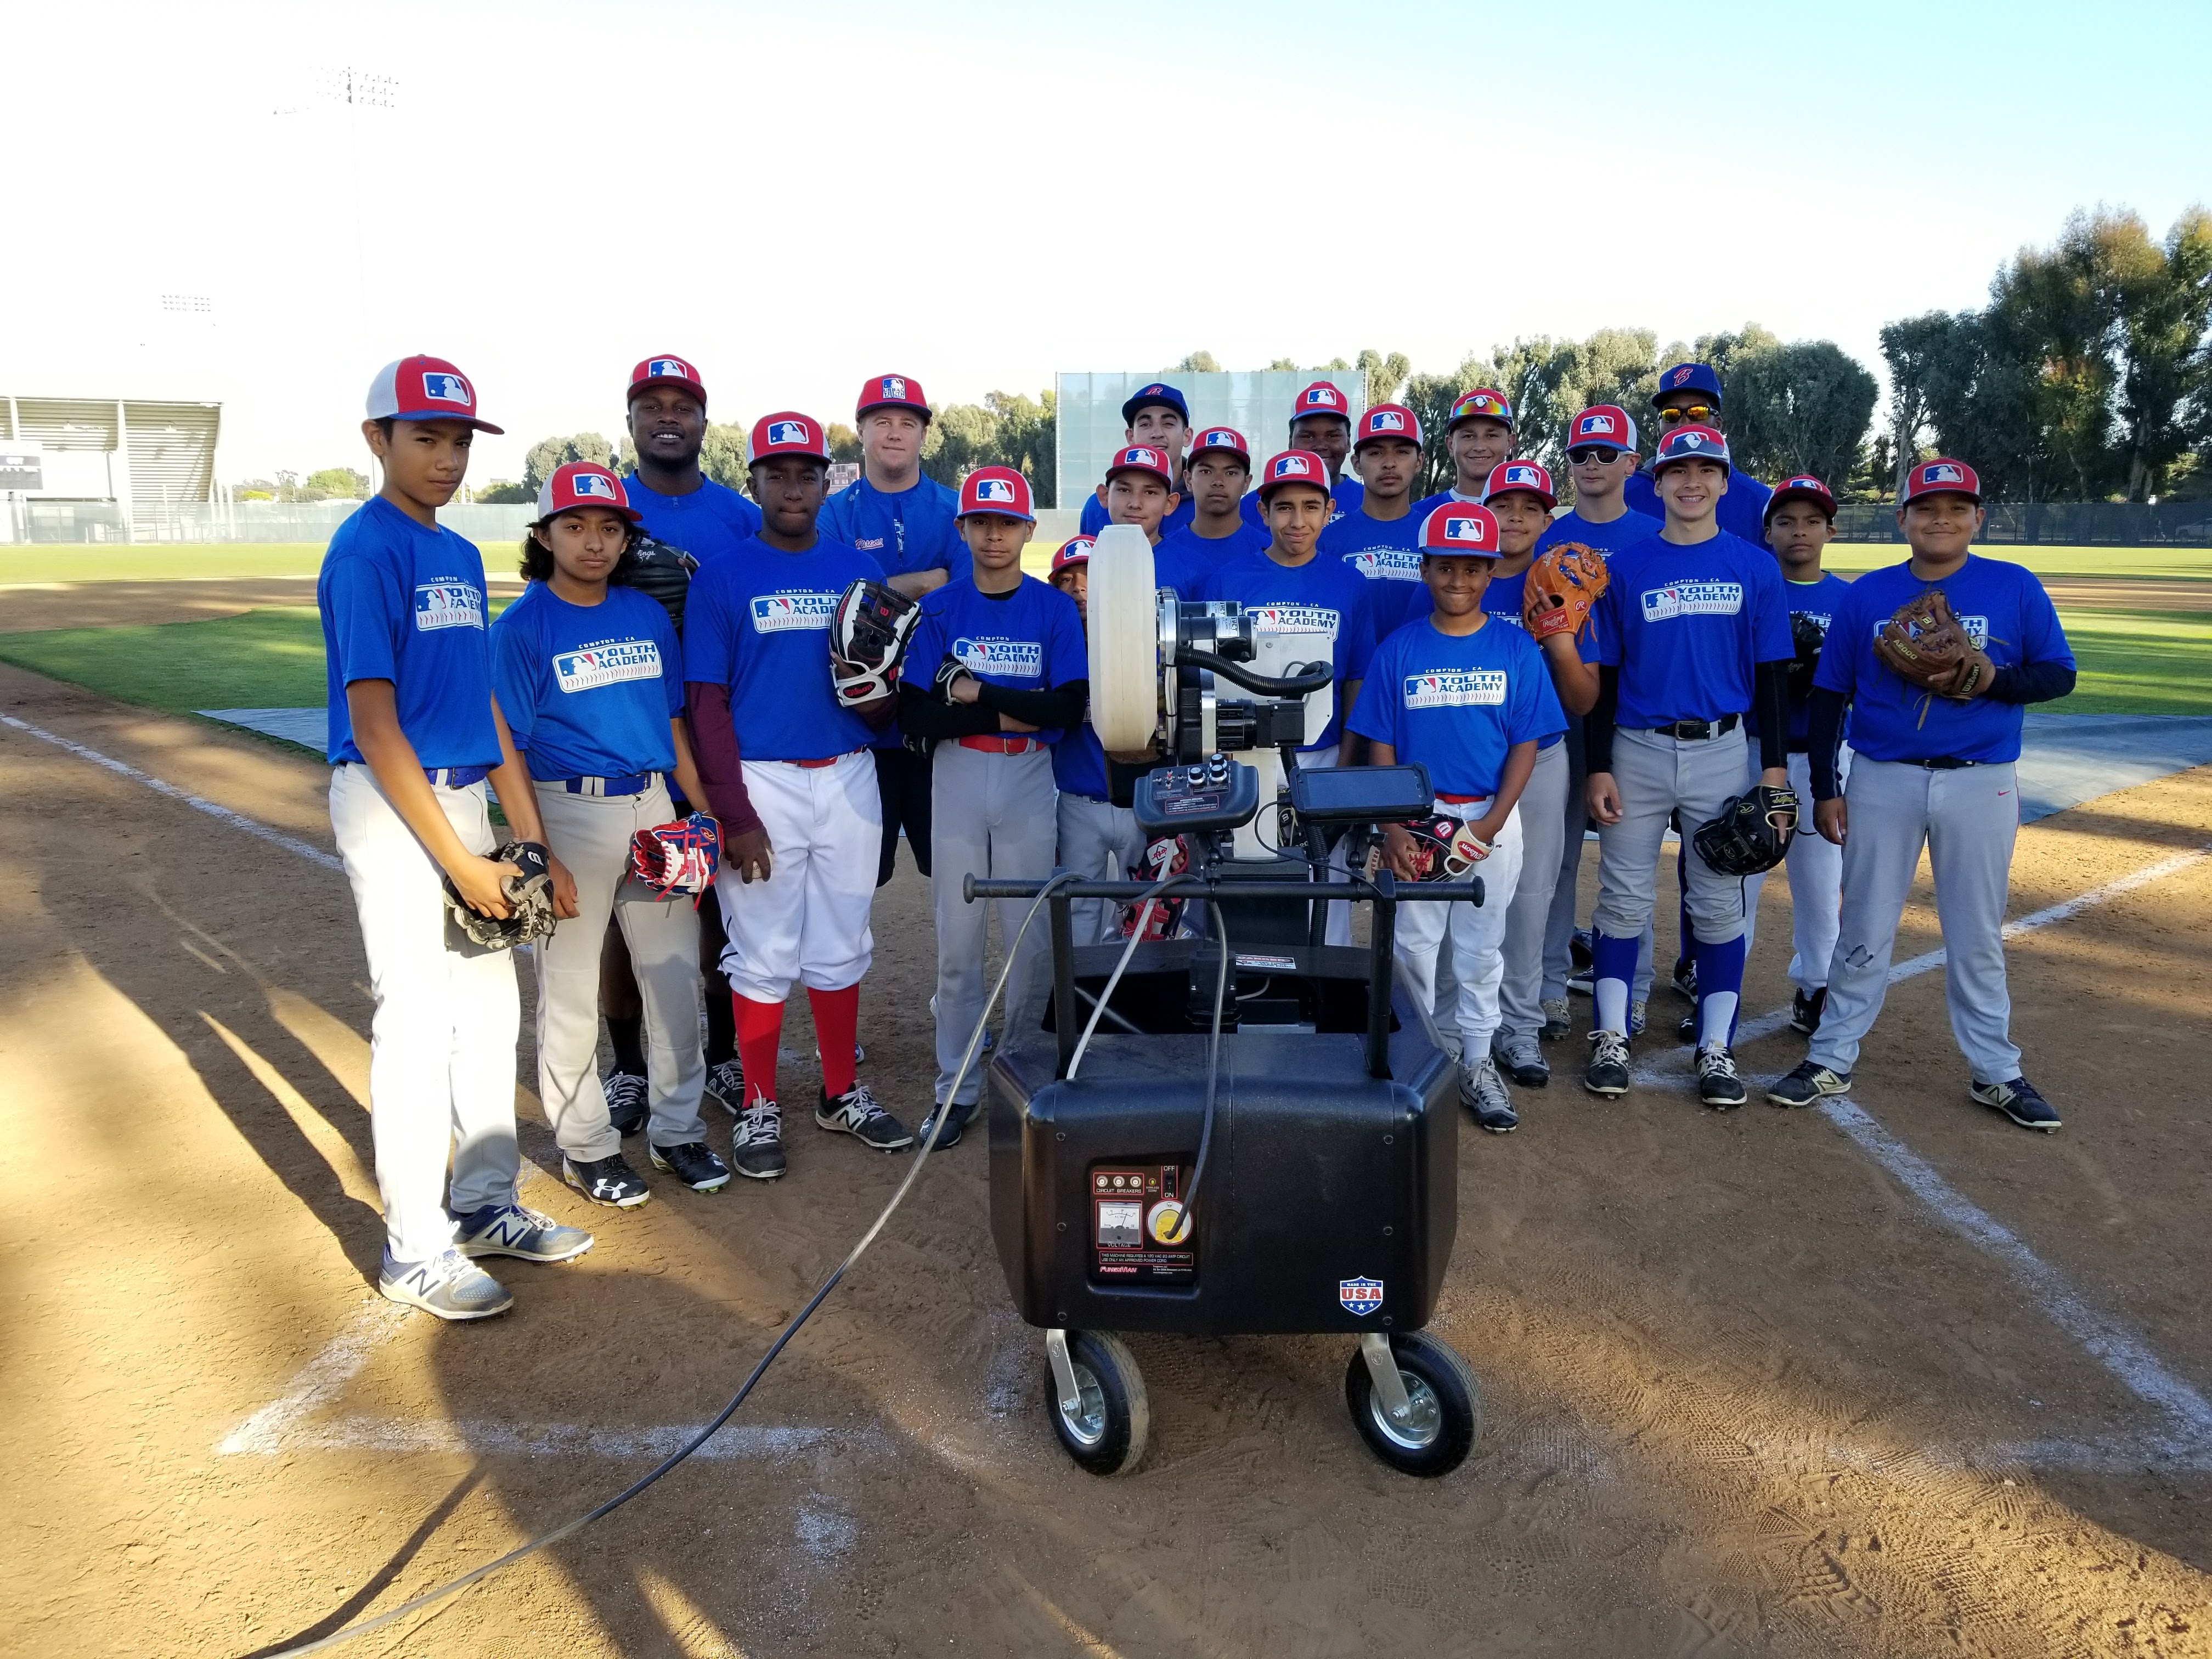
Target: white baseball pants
x=1101, y=843
x=808, y=922
x=1475, y=930
x=1541, y=813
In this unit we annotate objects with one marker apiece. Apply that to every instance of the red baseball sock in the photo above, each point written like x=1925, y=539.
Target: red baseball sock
x=837, y=1029
x=759, y=1026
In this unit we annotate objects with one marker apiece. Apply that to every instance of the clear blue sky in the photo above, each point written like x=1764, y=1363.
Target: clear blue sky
x=980, y=195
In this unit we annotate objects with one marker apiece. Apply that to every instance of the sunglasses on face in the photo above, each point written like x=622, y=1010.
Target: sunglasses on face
x=1700, y=414
x=1599, y=452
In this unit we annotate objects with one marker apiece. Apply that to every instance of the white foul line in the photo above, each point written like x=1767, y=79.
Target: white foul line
x=319, y=1380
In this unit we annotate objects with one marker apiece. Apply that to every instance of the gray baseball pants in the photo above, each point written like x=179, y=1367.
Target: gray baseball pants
x=1542, y=813
x=1100, y=841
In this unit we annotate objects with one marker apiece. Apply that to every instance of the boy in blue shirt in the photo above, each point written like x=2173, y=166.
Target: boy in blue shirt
x=1155, y=417
x=680, y=506
x=1215, y=478
x=1380, y=540
x=1933, y=772
x=415, y=731
x=997, y=671
x=1468, y=697
x=1098, y=833
x=1690, y=395
x=1479, y=438
x=1320, y=424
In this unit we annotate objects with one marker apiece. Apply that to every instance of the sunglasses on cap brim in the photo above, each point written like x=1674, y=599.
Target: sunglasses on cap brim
x=1696, y=414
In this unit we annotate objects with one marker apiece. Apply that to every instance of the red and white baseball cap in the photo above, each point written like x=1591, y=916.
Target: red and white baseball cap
x=1524, y=477
x=584, y=484
x=1143, y=457
x=1690, y=443
x=1322, y=398
x=998, y=489
x=1941, y=477
x=786, y=433
x=1386, y=421
x=1294, y=466
x=1073, y=551
x=667, y=371
x=1483, y=404
x=1461, y=527
x=1224, y=438
x=1602, y=426
x=1803, y=487
x=425, y=389
x=891, y=392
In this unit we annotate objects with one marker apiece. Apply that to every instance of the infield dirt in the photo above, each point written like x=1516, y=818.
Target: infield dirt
x=1747, y=1393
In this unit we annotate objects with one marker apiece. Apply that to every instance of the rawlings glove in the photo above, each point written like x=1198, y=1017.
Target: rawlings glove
x=1561, y=587
x=867, y=636
x=1751, y=833
x=1924, y=645
x=529, y=895
x=678, y=860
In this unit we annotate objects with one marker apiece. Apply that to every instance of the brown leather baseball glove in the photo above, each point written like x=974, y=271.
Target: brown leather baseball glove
x=1563, y=585
x=1924, y=645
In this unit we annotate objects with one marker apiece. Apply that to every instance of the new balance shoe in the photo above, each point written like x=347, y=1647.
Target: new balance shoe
x=1608, y=1071
x=1685, y=978
x=2018, y=1101
x=608, y=1181
x=855, y=1113
x=694, y=1164
x=1520, y=1058
x=449, y=1286
x=1811, y=1081
x=725, y=1082
x=1483, y=1092
x=526, y=1235
x=1559, y=1018
x=1719, y=1086
x=629, y=1099
x=956, y=1120
x=756, y=1141
x=1805, y=1011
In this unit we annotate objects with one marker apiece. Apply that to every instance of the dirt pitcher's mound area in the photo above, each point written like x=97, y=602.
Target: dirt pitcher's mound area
x=1898, y=1381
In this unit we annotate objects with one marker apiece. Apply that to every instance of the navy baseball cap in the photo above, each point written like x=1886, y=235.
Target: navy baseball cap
x=1688, y=377
x=1158, y=392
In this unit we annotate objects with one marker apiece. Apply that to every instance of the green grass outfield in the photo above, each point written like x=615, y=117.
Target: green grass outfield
x=2133, y=662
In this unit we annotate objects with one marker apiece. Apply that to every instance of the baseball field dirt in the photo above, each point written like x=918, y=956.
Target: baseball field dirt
x=1895, y=1379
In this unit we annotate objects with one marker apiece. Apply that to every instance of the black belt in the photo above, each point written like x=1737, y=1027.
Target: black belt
x=1943, y=763
x=1698, y=731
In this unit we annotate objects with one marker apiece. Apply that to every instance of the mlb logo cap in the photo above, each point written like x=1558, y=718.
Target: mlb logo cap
x=665, y=370
x=1386, y=421
x=1293, y=466
x=1524, y=477
x=425, y=389
x=1483, y=404
x=1143, y=457
x=1690, y=443
x=998, y=489
x=1461, y=527
x=1159, y=394
x=1803, y=487
x=582, y=483
x=1688, y=377
x=1602, y=425
x=1322, y=398
x=1074, y=551
x=786, y=433
x=1223, y=438
x=891, y=392
x=1941, y=477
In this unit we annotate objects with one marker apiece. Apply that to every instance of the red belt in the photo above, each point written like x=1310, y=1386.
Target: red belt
x=1459, y=800
x=1006, y=745
x=815, y=766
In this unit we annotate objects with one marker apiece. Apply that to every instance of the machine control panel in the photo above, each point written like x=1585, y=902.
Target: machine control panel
x=1137, y=1229
x=1213, y=793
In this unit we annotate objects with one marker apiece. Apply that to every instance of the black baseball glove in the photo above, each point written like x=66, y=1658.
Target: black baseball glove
x=867, y=637
x=1806, y=636
x=663, y=573
x=529, y=896
x=1751, y=834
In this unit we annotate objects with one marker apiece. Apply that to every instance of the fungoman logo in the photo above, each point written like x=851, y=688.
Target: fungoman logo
x=447, y=604
x=1013, y=658
x=1455, y=688
x=1692, y=599
x=1292, y=619
x=779, y=613
x=608, y=664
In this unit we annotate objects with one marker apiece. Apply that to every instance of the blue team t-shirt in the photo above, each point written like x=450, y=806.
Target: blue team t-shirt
x=1321, y=596
x=588, y=691
x=905, y=530
x=405, y=603
x=711, y=522
x=1503, y=599
x=1078, y=763
x=1094, y=516
x=1818, y=600
x=1029, y=640
x=759, y=623
x=1387, y=554
x=2003, y=610
x=1743, y=511
x=1456, y=703
x=1610, y=536
x=1686, y=624
x=1344, y=495
x=1183, y=560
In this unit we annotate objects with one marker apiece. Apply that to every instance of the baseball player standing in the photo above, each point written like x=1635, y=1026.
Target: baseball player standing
x=1693, y=630
x=1690, y=395
x=1215, y=478
x=1935, y=771
x=1479, y=438
x=1467, y=697
x=1010, y=674
x=1155, y=417
x=1320, y=424
x=1098, y=834
x=593, y=679
x=415, y=729
x=1380, y=540
x=790, y=774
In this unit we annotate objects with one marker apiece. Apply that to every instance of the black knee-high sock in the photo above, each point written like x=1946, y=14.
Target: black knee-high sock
x=722, y=1028
x=628, y=1036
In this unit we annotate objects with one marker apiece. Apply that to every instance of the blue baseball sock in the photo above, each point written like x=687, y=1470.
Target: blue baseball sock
x=1613, y=965
x=1720, y=980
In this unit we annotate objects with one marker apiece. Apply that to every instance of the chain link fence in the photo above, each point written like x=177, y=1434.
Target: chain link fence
x=2054, y=523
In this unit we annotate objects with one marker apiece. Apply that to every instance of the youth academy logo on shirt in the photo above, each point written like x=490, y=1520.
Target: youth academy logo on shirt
x=447, y=604
x=607, y=663
x=1015, y=659
x=779, y=613
x=1453, y=688
x=1387, y=564
x=1292, y=619
x=1692, y=599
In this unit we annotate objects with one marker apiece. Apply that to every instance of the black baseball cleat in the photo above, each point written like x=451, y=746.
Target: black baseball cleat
x=1578, y=948
x=2018, y=1101
x=856, y=1113
x=1686, y=1030
x=1483, y=1093
x=1718, y=1084
x=1607, y=1072
x=957, y=1119
x=629, y=1101
x=1685, y=977
x=1810, y=1083
x=608, y=1181
x=695, y=1164
x=725, y=1082
x=756, y=1141
x=1520, y=1058
x=1805, y=1011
